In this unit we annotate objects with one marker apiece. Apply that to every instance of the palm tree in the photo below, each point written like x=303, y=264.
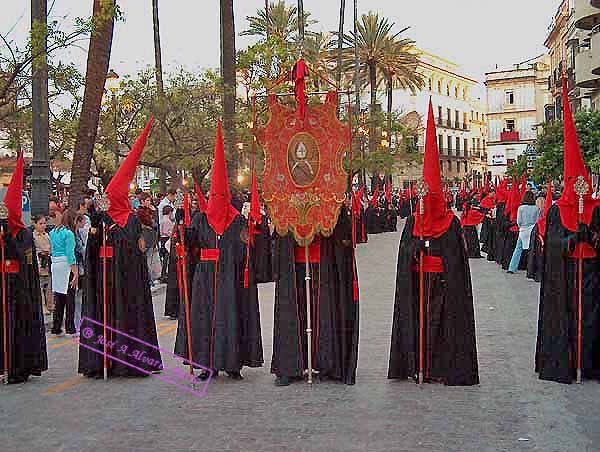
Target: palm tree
x=229, y=84
x=317, y=53
x=278, y=20
x=97, y=67
x=399, y=70
x=372, y=38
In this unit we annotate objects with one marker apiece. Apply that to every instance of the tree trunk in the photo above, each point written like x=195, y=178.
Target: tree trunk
x=158, y=70
x=390, y=92
x=97, y=68
x=229, y=85
x=40, y=166
x=373, y=107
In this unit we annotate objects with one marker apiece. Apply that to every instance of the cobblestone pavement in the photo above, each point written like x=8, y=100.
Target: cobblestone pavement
x=511, y=410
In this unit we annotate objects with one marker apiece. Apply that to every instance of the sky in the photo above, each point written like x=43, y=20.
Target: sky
x=477, y=34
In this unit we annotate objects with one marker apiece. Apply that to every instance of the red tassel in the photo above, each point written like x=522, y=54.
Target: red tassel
x=355, y=288
x=246, y=277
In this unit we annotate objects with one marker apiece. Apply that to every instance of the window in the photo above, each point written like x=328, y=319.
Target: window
x=510, y=125
x=509, y=97
x=456, y=92
x=466, y=167
x=430, y=85
x=449, y=144
x=465, y=93
x=440, y=114
x=440, y=86
x=466, y=143
x=456, y=119
x=449, y=117
x=449, y=166
x=465, y=120
x=457, y=146
x=448, y=90
x=440, y=143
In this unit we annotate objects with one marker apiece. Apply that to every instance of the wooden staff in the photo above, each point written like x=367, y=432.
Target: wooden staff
x=5, y=358
x=179, y=204
x=581, y=189
x=307, y=278
x=103, y=205
x=421, y=189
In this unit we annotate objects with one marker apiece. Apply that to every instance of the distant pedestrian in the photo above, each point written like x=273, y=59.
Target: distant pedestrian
x=42, y=249
x=527, y=216
x=64, y=273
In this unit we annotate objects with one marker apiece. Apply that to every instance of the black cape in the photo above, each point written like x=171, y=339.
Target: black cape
x=173, y=297
x=262, y=252
x=130, y=309
x=489, y=245
x=335, y=312
x=26, y=333
x=556, y=349
x=500, y=232
x=451, y=351
x=472, y=242
x=225, y=329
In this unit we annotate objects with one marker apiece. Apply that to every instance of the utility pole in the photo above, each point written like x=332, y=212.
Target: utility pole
x=40, y=166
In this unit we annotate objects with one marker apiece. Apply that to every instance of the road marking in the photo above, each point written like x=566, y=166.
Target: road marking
x=78, y=379
x=63, y=386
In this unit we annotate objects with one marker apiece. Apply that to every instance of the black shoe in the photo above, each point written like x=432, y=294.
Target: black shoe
x=205, y=374
x=56, y=332
x=235, y=375
x=282, y=381
x=172, y=317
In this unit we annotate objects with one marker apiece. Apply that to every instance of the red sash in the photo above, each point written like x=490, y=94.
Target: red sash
x=209, y=254
x=10, y=266
x=431, y=264
x=583, y=251
x=314, y=254
x=107, y=252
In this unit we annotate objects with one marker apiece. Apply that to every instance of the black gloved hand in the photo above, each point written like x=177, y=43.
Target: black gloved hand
x=582, y=233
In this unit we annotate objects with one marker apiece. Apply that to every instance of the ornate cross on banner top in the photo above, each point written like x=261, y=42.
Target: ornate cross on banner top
x=422, y=190
x=581, y=189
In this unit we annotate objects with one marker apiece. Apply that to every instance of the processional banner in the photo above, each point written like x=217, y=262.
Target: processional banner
x=304, y=181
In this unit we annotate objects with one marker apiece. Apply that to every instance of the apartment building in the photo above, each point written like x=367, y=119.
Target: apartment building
x=460, y=119
x=516, y=103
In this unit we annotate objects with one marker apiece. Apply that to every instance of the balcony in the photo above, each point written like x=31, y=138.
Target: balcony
x=586, y=15
x=596, y=50
x=584, y=78
x=509, y=136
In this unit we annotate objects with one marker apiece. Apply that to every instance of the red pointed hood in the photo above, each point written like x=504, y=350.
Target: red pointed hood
x=573, y=168
x=219, y=211
x=118, y=188
x=186, y=210
x=13, y=198
x=502, y=191
x=375, y=198
x=356, y=197
x=437, y=217
x=201, y=199
x=541, y=223
x=388, y=191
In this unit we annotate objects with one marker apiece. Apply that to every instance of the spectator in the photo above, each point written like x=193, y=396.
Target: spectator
x=64, y=273
x=168, y=200
x=148, y=217
x=54, y=213
x=166, y=229
x=42, y=247
x=527, y=216
x=137, y=200
x=81, y=235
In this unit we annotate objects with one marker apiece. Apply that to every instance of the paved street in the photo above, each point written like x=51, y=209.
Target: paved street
x=510, y=411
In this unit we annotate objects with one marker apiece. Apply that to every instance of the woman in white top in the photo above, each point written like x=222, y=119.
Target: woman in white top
x=527, y=216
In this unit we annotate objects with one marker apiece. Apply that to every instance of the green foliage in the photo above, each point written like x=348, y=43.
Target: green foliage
x=551, y=141
x=518, y=168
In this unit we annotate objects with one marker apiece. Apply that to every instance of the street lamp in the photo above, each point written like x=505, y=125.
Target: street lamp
x=112, y=84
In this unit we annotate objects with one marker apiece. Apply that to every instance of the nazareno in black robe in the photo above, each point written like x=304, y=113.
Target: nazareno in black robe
x=262, y=253
x=472, y=242
x=335, y=313
x=500, y=232
x=26, y=332
x=535, y=258
x=360, y=227
x=450, y=346
x=225, y=329
x=489, y=245
x=173, y=297
x=130, y=308
x=556, y=348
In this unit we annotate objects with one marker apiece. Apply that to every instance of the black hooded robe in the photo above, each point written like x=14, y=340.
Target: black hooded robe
x=500, y=232
x=130, y=309
x=450, y=346
x=26, y=332
x=334, y=313
x=262, y=252
x=556, y=349
x=224, y=316
x=472, y=242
